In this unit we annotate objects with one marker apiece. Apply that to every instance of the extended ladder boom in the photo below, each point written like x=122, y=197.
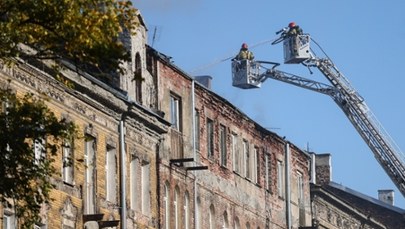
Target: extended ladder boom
x=385, y=150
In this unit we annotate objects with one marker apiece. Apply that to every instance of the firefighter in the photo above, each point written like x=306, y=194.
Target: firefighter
x=294, y=29
x=244, y=53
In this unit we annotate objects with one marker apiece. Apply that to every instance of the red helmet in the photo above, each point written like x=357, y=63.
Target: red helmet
x=244, y=46
x=292, y=24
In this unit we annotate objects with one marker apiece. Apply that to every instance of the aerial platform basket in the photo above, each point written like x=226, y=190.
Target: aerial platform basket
x=245, y=74
x=296, y=49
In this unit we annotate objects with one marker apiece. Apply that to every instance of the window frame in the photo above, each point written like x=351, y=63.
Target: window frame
x=210, y=138
x=166, y=205
x=134, y=177
x=246, y=156
x=300, y=188
x=267, y=159
x=280, y=178
x=197, y=126
x=176, y=112
x=90, y=172
x=186, y=208
x=68, y=161
x=235, y=153
x=223, y=145
x=111, y=174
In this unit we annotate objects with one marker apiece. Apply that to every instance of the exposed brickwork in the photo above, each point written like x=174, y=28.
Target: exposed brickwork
x=233, y=195
x=323, y=168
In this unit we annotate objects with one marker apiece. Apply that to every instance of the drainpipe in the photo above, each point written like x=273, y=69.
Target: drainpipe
x=123, y=174
x=157, y=159
x=313, y=168
x=287, y=185
x=196, y=213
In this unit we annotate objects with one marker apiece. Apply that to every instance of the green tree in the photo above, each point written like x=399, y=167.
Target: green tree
x=28, y=127
x=84, y=31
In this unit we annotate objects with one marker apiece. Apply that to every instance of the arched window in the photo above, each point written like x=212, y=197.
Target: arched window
x=176, y=204
x=236, y=224
x=225, y=224
x=166, y=206
x=186, y=214
x=212, y=217
x=198, y=214
x=247, y=225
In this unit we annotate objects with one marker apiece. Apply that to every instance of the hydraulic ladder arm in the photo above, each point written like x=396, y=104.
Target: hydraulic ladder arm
x=387, y=153
x=385, y=150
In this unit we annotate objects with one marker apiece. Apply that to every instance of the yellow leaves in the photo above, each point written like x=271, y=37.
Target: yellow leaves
x=81, y=29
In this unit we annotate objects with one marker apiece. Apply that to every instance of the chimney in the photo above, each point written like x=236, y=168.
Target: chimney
x=204, y=80
x=386, y=196
x=321, y=166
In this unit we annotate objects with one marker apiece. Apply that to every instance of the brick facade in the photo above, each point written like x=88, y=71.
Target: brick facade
x=226, y=195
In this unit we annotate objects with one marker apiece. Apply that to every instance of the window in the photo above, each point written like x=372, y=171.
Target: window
x=198, y=214
x=145, y=188
x=236, y=223
x=247, y=159
x=111, y=174
x=301, y=204
x=280, y=179
x=176, y=137
x=166, y=205
x=39, y=150
x=150, y=64
x=256, y=165
x=211, y=217
x=225, y=224
x=186, y=211
x=138, y=78
x=300, y=188
x=197, y=130
x=176, y=208
x=89, y=156
x=210, y=138
x=222, y=143
x=134, y=182
x=9, y=221
x=247, y=225
x=235, y=153
x=67, y=162
x=267, y=170
x=175, y=112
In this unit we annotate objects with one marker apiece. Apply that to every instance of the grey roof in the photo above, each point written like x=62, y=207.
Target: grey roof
x=366, y=198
